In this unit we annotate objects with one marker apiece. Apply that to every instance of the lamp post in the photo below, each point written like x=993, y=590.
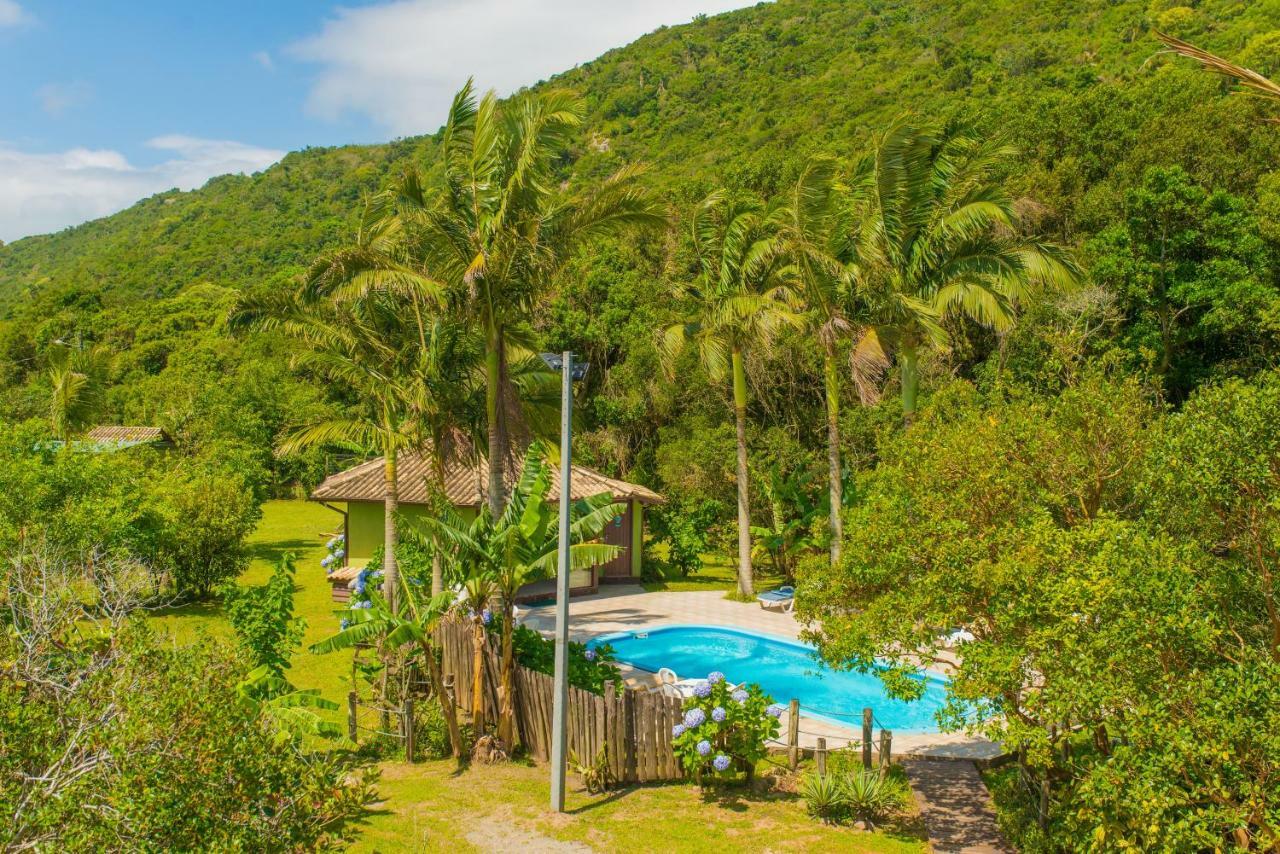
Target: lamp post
x=560, y=703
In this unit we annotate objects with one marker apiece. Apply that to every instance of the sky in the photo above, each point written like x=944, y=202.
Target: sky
x=105, y=102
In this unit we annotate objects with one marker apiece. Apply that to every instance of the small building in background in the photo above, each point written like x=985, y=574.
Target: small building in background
x=112, y=438
x=361, y=490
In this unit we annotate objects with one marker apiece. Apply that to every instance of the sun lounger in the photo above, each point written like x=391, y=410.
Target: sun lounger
x=784, y=597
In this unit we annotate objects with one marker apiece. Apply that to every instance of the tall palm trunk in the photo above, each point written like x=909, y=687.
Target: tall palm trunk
x=506, y=706
x=437, y=560
x=391, y=506
x=910, y=381
x=493, y=413
x=746, y=584
x=831, y=379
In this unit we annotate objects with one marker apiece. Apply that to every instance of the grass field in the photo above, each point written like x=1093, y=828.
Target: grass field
x=431, y=806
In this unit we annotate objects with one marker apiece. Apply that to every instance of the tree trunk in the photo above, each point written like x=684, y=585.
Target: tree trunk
x=746, y=584
x=493, y=414
x=477, y=672
x=910, y=381
x=832, y=382
x=506, y=706
x=391, y=506
x=446, y=703
x=437, y=571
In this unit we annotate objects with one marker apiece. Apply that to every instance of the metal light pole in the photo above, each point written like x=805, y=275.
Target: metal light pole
x=560, y=703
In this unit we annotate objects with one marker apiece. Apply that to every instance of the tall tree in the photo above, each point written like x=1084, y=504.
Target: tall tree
x=938, y=236
x=78, y=377
x=499, y=227
x=816, y=233
x=741, y=296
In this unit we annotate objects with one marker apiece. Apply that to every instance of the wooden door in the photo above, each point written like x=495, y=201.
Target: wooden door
x=618, y=533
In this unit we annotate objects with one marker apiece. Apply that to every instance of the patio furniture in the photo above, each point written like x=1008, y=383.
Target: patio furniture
x=667, y=681
x=784, y=597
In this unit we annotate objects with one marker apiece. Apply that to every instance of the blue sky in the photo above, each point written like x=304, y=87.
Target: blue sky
x=103, y=103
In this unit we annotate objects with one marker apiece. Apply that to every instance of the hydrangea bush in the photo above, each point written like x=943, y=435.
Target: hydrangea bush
x=724, y=727
x=336, y=550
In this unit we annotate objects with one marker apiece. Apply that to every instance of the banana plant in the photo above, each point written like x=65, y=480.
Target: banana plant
x=288, y=708
x=520, y=546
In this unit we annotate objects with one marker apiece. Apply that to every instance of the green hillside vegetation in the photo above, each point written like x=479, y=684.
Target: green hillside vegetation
x=979, y=302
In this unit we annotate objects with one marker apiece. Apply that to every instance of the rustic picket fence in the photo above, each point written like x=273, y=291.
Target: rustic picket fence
x=628, y=729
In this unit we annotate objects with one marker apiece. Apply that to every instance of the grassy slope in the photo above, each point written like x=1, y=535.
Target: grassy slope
x=428, y=806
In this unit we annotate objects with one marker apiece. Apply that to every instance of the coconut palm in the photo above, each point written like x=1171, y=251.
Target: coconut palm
x=498, y=228
x=816, y=232
x=937, y=237
x=742, y=295
x=78, y=376
x=1248, y=79
x=521, y=546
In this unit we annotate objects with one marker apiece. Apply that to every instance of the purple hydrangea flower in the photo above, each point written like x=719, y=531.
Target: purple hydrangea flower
x=694, y=717
x=715, y=677
x=704, y=747
x=774, y=711
x=718, y=714
x=486, y=616
x=589, y=655
x=702, y=689
x=721, y=762
x=740, y=696
x=677, y=730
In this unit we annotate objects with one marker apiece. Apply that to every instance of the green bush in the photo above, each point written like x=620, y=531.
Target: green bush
x=590, y=668
x=725, y=729
x=262, y=617
x=207, y=516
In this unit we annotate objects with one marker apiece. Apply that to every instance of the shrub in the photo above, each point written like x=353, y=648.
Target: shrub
x=262, y=617
x=207, y=516
x=430, y=730
x=870, y=797
x=590, y=668
x=724, y=728
x=824, y=797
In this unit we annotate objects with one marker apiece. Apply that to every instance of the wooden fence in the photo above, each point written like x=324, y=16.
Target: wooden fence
x=629, y=729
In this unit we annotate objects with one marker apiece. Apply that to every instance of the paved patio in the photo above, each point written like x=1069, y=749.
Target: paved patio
x=628, y=607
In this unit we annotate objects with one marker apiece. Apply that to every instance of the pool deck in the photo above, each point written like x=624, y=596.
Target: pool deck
x=628, y=607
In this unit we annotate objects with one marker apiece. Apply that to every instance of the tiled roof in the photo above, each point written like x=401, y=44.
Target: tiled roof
x=465, y=484
x=126, y=435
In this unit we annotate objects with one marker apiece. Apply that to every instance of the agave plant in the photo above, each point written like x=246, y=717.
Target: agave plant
x=824, y=797
x=869, y=796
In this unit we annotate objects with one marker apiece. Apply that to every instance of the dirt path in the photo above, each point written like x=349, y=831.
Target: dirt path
x=956, y=807
x=497, y=833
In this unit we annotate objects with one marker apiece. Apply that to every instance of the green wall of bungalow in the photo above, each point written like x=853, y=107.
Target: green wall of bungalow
x=365, y=534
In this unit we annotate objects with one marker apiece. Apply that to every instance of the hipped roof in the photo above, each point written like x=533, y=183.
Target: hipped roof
x=465, y=484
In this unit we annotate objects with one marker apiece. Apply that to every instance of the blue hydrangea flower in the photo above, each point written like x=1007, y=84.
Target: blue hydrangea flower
x=702, y=689
x=695, y=717
x=718, y=714
x=704, y=747
x=341, y=538
x=340, y=554
x=358, y=587
x=346, y=624
x=365, y=604
x=327, y=560
x=740, y=696
x=487, y=616
x=589, y=655
x=774, y=711
x=715, y=677
x=677, y=730
x=721, y=762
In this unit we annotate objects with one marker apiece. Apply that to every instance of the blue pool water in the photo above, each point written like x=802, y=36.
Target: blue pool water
x=783, y=668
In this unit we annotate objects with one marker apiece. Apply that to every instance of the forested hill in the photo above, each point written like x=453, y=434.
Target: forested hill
x=1079, y=86
x=739, y=97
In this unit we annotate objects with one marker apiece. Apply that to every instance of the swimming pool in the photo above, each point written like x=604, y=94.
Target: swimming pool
x=784, y=669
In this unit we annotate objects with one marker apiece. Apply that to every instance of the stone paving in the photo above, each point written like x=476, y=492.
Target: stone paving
x=628, y=608
x=956, y=807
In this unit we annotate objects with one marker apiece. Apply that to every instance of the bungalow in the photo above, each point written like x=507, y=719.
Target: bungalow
x=361, y=490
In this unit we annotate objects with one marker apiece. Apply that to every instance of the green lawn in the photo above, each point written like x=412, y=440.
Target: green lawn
x=718, y=572
x=431, y=806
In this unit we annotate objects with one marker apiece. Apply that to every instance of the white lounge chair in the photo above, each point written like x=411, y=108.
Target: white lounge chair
x=667, y=680
x=784, y=597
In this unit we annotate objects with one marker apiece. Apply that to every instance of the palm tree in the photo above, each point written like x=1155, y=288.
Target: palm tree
x=520, y=546
x=936, y=237
x=413, y=625
x=740, y=298
x=78, y=376
x=1246, y=78
x=499, y=227
x=816, y=232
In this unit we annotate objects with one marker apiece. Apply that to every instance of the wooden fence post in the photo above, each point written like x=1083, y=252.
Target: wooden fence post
x=351, y=715
x=793, y=734
x=407, y=723
x=886, y=751
x=867, y=719
x=820, y=757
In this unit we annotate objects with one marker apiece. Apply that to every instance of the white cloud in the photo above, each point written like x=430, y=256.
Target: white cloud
x=264, y=59
x=11, y=14
x=45, y=192
x=401, y=62
x=56, y=98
